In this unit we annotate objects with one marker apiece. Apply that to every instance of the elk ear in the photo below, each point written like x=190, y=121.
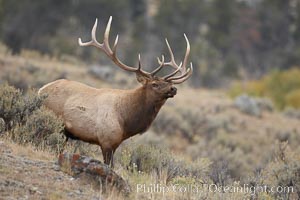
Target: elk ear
x=142, y=79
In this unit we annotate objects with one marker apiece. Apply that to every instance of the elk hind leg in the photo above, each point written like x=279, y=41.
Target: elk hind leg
x=108, y=156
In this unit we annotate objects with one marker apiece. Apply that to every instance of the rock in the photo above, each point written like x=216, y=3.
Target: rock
x=247, y=105
x=253, y=105
x=92, y=170
x=34, y=190
x=78, y=191
x=56, y=168
x=101, y=72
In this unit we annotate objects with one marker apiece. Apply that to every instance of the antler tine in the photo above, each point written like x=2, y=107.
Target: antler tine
x=106, y=37
x=172, y=62
x=187, y=52
x=183, y=70
x=161, y=64
x=115, y=45
x=184, y=77
x=111, y=53
x=173, y=73
x=94, y=41
x=181, y=76
x=139, y=67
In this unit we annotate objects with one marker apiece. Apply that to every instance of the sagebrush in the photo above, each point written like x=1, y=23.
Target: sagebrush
x=25, y=120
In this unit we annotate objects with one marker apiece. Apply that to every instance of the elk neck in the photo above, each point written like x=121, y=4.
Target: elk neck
x=139, y=109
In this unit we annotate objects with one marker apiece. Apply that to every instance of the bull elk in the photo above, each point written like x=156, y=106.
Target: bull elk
x=107, y=117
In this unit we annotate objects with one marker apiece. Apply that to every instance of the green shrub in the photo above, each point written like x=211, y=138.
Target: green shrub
x=293, y=98
x=15, y=106
x=26, y=121
x=43, y=129
x=156, y=161
x=280, y=86
x=254, y=88
x=198, y=169
x=179, y=119
x=150, y=159
x=10, y=104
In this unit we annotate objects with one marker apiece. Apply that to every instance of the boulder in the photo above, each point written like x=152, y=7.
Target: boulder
x=253, y=106
x=92, y=171
x=247, y=105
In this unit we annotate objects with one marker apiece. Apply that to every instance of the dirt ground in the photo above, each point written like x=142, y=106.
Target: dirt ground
x=29, y=174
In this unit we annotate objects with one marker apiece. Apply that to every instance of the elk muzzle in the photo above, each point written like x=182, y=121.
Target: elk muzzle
x=173, y=92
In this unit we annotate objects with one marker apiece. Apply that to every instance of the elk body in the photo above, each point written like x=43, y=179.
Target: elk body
x=107, y=117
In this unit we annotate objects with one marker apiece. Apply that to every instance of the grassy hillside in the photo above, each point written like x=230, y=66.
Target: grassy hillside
x=200, y=137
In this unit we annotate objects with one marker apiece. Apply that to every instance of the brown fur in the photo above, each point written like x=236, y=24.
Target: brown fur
x=107, y=117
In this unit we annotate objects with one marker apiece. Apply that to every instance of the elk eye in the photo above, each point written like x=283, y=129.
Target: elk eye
x=155, y=85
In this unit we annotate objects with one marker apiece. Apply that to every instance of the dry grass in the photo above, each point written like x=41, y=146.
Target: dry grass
x=196, y=125
x=34, y=70
x=29, y=152
x=31, y=173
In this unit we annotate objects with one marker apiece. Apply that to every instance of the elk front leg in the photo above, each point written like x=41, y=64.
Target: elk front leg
x=108, y=156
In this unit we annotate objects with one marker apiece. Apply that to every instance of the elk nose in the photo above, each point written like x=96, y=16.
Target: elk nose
x=173, y=89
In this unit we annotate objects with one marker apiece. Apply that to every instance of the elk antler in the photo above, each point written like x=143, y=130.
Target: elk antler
x=184, y=73
x=111, y=53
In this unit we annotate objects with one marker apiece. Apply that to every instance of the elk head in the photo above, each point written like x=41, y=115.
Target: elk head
x=161, y=87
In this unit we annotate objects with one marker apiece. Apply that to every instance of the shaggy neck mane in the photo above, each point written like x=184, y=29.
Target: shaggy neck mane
x=139, y=109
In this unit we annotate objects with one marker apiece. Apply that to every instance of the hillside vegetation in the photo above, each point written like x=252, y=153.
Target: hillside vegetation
x=282, y=87
x=199, y=137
